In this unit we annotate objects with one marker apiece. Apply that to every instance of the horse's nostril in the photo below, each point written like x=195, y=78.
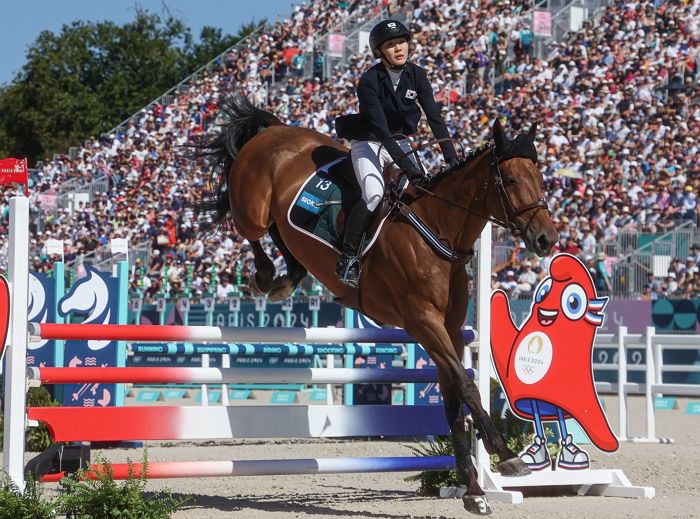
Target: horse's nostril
x=543, y=243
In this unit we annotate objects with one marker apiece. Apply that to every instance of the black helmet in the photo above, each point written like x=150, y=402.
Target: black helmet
x=385, y=31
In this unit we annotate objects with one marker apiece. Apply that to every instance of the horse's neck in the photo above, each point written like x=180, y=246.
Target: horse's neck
x=467, y=187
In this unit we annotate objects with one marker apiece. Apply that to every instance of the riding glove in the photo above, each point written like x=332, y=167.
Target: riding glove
x=414, y=175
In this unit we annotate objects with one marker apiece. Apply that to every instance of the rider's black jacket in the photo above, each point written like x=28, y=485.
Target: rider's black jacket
x=387, y=112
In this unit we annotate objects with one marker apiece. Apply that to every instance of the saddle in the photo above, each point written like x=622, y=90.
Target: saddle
x=394, y=185
x=331, y=192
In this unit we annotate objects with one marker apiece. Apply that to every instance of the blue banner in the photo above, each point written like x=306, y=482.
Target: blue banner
x=94, y=298
x=330, y=314
x=41, y=309
x=425, y=394
x=369, y=394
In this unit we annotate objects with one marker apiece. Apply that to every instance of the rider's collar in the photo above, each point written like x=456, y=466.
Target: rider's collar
x=391, y=68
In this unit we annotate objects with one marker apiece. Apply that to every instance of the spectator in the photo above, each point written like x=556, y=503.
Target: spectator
x=527, y=279
x=602, y=278
x=509, y=285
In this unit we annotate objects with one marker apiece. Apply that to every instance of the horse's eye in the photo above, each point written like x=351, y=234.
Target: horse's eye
x=507, y=181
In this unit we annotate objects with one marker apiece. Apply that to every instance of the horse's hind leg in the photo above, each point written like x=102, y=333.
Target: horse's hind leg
x=284, y=286
x=261, y=282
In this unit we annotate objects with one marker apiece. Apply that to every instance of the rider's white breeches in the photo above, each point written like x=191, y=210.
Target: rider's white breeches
x=368, y=170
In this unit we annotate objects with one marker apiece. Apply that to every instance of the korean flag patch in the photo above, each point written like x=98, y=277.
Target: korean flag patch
x=411, y=94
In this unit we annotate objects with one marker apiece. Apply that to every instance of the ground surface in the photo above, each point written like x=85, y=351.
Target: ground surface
x=674, y=470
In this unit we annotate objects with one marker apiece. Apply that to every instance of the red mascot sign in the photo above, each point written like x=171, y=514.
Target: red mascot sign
x=545, y=366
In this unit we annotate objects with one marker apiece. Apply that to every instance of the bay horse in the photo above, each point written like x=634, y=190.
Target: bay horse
x=260, y=164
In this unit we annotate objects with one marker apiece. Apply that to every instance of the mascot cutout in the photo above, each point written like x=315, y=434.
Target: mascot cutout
x=545, y=366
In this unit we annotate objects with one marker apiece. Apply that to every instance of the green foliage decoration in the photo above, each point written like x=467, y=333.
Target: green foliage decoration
x=95, y=494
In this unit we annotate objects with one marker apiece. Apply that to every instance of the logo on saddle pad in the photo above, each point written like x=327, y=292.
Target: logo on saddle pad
x=309, y=202
x=321, y=203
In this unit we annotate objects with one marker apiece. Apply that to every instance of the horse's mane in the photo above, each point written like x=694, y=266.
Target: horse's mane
x=521, y=146
x=470, y=156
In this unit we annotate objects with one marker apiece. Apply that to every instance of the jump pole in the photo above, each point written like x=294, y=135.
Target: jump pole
x=483, y=308
x=15, y=375
x=287, y=350
x=199, y=469
x=191, y=334
x=179, y=375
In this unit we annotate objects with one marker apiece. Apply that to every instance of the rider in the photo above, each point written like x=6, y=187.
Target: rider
x=389, y=94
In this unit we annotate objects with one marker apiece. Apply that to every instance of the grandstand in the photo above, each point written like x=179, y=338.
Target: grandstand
x=612, y=87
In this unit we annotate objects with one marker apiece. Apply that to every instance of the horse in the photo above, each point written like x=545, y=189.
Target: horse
x=259, y=165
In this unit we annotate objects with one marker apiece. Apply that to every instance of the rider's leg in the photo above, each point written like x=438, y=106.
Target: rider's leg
x=368, y=167
x=368, y=171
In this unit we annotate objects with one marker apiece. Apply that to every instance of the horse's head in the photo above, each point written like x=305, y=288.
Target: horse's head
x=518, y=201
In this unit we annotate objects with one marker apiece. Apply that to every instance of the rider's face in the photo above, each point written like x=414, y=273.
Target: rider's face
x=395, y=51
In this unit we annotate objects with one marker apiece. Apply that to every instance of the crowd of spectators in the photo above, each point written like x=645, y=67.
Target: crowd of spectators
x=616, y=105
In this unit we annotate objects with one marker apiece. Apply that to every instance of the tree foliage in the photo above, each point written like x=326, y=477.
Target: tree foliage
x=90, y=76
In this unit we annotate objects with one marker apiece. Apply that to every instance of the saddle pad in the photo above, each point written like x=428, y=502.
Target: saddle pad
x=321, y=204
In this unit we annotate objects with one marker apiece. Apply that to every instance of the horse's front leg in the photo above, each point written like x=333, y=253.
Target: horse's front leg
x=428, y=327
x=474, y=498
x=510, y=463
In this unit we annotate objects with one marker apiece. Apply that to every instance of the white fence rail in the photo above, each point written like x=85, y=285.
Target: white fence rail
x=653, y=367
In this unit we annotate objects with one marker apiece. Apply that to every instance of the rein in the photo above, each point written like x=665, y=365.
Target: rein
x=511, y=214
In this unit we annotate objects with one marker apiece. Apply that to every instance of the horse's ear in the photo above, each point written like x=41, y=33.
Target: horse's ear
x=499, y=137
x=533, y=131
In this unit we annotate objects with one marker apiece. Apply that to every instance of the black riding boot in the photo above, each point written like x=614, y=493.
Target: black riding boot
x=349, y=264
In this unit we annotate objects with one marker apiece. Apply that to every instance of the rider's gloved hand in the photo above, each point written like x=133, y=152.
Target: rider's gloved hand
x=414, y=175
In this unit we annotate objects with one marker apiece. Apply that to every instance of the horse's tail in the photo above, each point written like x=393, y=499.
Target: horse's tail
x=219, y=150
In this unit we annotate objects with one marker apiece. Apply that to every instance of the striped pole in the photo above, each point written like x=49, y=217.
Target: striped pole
x=157, y=375
x=203, y=469
x=287, y=350
x=253, y=335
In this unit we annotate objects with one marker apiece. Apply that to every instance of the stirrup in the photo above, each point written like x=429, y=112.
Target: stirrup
x=349, y=269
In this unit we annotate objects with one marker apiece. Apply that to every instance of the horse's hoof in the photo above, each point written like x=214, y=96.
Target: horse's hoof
x=514, y=467
x=282, y=288
x=477, y=505
x=255, y=290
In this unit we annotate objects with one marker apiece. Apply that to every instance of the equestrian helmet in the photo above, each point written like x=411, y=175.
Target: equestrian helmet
x=385, y=31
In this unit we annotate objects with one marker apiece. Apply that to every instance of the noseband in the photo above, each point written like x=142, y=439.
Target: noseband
x=509, y=212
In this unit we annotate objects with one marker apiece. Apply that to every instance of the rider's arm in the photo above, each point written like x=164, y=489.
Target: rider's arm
x=371, y=107
x=432, y=112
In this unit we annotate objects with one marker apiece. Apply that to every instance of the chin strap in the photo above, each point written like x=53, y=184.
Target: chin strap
x=389, y=65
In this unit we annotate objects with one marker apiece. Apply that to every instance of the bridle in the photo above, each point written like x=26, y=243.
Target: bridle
x=510, y=213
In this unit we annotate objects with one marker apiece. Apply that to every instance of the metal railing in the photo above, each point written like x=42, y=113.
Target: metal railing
x=350, y=28
x=84, y=193
x=567, y=16
x=102, y=258
x=631, y=274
